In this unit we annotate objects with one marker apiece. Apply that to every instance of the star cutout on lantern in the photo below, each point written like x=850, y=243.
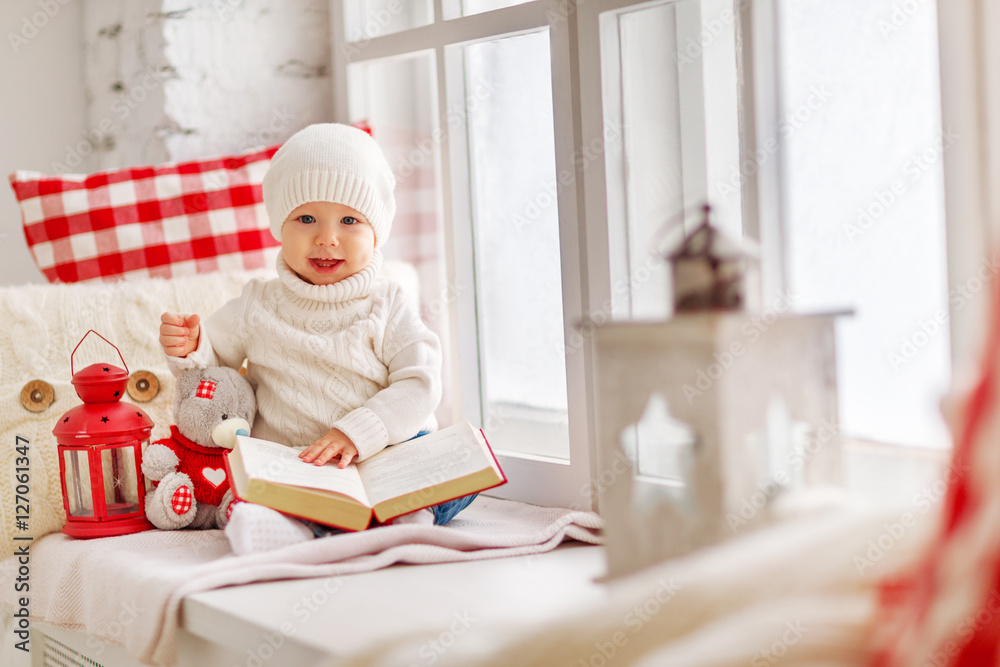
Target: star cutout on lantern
x=104, y=419
x=66, y=420
x=106, y=369
x=117, y=393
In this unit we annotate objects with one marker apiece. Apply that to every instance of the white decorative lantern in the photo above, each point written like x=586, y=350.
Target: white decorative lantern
x=704, y=418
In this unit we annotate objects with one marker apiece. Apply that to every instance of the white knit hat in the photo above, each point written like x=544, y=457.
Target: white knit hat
x=333, y=163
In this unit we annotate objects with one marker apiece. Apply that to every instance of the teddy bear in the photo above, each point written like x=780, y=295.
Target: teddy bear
x=211, y=406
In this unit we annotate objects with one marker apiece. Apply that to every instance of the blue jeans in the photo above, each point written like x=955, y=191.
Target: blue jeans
x=447, y=510
x=443, y=513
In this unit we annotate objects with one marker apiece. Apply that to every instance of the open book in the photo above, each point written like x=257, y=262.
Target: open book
x=425, y=471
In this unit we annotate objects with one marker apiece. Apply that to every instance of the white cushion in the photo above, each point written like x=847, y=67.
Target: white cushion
x=41, y=326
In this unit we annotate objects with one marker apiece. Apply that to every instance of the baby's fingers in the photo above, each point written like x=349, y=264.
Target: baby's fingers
x=318, y=453
x=176, y=325
x=171, y=337
x=172, y=319
x=179, y=323
x=328, y=453
x=345, y=459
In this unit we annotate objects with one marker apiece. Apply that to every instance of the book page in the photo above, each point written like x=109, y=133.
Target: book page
x=422, y=463
x=270, y=461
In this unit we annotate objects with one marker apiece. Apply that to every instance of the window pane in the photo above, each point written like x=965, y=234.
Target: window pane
x=671, y=129
x=366, y=19
x=651, y=119
x=516, y=230
x=396, y=97
x=865, y=207
x=455, y=8
x=669, y=116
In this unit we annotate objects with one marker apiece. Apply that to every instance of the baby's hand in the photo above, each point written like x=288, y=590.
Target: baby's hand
x=179, y=334
x=330, y=446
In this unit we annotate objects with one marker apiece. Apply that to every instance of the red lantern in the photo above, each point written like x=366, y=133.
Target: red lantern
x=100, y=446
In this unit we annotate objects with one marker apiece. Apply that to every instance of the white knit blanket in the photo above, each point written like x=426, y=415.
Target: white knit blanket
x=87, y=585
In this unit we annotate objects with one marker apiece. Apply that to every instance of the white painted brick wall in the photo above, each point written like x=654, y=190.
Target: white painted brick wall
x=175, y=80
x=249, y=72
x=124, y=71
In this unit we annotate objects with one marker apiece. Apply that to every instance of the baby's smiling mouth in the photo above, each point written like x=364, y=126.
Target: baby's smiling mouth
x=325, y=263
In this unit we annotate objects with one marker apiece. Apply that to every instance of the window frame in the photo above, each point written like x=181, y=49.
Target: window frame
x=588, y=267
x=534, y=479
x=705, y=161
x=964, y=53
x=706, y=156
x=970, y=103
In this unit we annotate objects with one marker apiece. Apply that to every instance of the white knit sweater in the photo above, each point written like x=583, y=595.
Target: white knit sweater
x=352, y=355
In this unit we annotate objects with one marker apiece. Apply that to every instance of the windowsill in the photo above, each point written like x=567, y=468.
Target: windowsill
x=318, y=620
x=313, y=619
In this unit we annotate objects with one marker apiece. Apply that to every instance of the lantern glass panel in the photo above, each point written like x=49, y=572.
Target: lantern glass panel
x=659, y=445
x=121, y=485
x=80, y=501
x=147, y=483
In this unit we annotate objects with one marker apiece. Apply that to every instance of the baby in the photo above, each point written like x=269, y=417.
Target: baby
x=342, y=363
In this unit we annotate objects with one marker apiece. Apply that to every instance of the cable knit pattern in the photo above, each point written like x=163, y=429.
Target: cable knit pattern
x=352, y=355
x=41, y=326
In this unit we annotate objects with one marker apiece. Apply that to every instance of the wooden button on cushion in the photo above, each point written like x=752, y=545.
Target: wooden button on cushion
x=37, y=395
x=143, y=386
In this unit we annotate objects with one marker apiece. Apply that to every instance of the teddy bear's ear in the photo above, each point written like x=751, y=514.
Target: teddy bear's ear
x=242, y=392
x=186, y=383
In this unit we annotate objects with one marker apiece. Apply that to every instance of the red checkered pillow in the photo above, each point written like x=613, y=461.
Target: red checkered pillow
x=170, y=220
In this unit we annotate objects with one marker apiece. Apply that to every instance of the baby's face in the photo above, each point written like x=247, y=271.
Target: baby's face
x=325, y=242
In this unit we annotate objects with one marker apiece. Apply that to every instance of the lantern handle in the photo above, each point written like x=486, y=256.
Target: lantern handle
x=72, y=373
x=664, y=230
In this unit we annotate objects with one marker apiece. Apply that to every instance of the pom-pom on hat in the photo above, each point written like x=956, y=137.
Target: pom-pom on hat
x=335, y=163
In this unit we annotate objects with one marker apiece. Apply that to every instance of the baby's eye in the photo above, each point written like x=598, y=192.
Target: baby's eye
x=349, y=220
x=307, y=219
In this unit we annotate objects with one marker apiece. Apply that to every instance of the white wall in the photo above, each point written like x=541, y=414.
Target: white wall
x=245, y=73
x=125, y=72
x=116, y=83
x=43, y=111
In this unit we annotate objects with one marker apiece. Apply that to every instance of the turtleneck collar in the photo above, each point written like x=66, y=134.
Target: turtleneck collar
x=310, y=296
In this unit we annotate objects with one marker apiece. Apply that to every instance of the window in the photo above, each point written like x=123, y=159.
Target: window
x=476, y=118
x=366, y=19
x=670, y=129
x=456, y=8
x=541, y=149
x=516, y=244
x=663, y=127
x=850, y=101
x=863, y=205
